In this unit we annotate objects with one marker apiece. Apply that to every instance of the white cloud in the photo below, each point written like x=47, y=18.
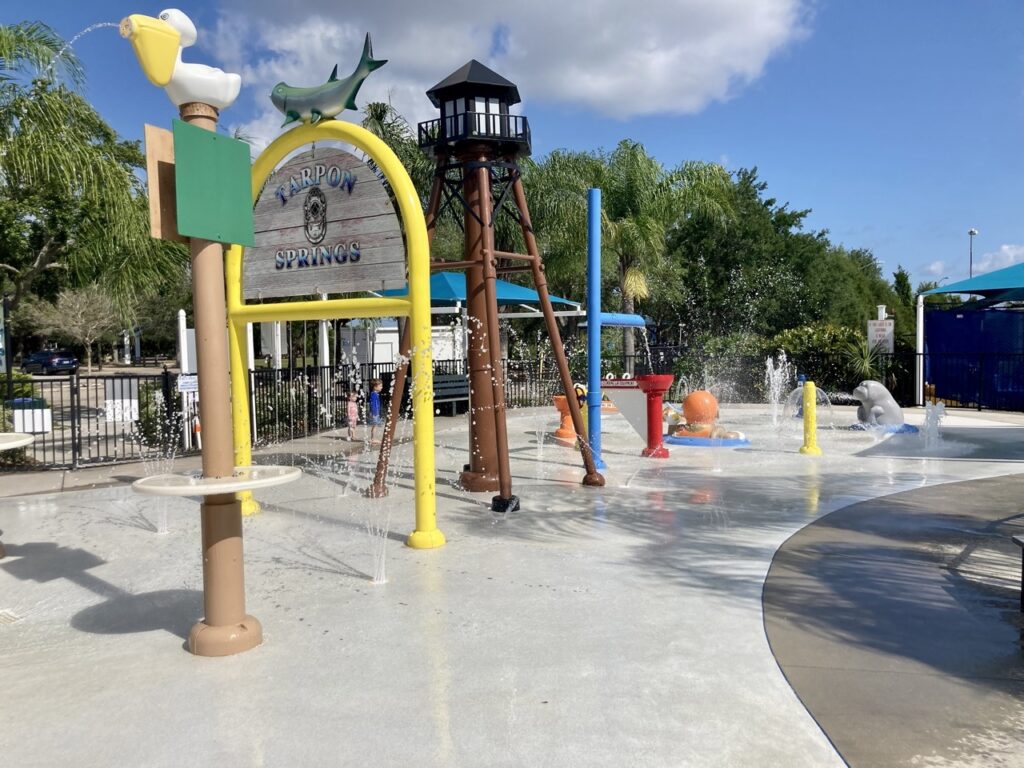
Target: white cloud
x=648, y=57
x=936, y=268
x=1006, y=256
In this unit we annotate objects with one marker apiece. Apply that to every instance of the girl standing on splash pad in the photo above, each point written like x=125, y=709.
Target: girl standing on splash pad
x=353, y=415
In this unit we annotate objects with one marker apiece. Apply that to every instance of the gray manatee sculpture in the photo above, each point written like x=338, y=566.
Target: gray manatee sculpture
x=877, y=407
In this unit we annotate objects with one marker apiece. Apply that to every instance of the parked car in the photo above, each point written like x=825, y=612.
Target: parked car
x=60, y=361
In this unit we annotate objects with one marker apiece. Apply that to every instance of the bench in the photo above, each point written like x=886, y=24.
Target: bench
x=151, y=361
x=451, y=388
x=1019, y=541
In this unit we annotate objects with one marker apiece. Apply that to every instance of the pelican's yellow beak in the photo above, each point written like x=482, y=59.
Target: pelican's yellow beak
x=156, y=46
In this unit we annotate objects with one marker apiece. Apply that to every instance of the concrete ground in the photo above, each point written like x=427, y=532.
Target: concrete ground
x=898, y=623
x=615, y=626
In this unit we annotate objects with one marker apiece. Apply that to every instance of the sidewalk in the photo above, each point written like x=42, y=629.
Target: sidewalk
x=86, y=478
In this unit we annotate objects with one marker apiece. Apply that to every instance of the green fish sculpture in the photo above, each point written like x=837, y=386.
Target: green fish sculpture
x=323, y=102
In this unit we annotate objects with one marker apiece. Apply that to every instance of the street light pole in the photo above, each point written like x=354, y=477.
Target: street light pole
x=970, y=234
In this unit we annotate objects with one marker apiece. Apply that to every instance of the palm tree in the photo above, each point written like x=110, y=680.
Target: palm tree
x=71, y=200
x=31, y=46
x=385, y=122
x=641, y=202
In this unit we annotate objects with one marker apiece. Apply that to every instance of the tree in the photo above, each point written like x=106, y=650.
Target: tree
x=386, y=123
x=642, y=202
x=80, y=315
x=937, y=300
x=70, y=200
x=901, y=286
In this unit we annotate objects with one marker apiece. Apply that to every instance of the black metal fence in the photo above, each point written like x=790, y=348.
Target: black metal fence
x=103, y=419
x=82, y=420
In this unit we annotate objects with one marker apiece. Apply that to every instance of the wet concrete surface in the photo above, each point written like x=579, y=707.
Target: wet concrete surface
x=594, y=627
x=897, y=622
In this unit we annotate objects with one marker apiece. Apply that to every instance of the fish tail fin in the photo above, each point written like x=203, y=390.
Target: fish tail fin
x=367, y=59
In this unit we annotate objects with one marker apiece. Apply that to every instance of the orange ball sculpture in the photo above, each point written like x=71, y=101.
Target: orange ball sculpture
x=700, y=407
x=700, y=418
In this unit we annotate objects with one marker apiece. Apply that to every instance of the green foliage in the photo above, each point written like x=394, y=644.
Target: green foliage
x=816, y=338
x=901, y=286
x=21, y=384
x=386, y=123
x=81, y=315
x=33, y=49
x=159, y=425
x=938, y=300
x=72, y=208
x=283, y=410
x=862, y=358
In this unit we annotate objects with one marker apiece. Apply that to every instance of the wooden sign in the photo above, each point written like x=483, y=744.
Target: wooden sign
x=324, y=224
x=163, y=209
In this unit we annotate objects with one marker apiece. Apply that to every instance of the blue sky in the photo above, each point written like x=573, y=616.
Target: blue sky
x=898, y=123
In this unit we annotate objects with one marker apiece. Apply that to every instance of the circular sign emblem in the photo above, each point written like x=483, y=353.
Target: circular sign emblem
x=315, y=216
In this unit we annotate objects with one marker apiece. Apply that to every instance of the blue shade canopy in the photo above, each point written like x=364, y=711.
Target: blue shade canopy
x=447, y=288
x=990, y=284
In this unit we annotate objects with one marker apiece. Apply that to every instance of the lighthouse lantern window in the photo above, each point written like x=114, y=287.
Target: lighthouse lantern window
x=474, y=103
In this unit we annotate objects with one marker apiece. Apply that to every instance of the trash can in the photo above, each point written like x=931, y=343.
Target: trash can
x=25, y=403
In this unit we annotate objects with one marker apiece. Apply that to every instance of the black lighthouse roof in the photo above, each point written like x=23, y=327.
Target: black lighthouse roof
x=473, y=78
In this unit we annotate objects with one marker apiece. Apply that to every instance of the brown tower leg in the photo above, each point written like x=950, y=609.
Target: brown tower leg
x=482, y=471
x=592, y=476
x=379, y=485
x=504, y=501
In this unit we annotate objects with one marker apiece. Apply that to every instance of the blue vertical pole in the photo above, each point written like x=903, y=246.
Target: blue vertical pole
x=594, y=324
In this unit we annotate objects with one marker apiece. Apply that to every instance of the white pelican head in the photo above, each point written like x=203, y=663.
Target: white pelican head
x=182, y=23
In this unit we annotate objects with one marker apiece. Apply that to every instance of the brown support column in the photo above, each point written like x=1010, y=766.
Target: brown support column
x=481, y=474
x=592, y=476
x=505, y=501
x=226, y=628
x=434, y=202
x=379, y=485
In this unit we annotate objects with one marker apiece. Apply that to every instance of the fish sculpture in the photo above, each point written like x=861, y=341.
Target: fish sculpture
x=323, y=102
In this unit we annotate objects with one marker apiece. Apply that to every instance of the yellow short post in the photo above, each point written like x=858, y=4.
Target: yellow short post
x=810, y=446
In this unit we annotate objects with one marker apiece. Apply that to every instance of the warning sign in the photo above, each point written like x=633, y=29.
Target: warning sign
x=882, y=335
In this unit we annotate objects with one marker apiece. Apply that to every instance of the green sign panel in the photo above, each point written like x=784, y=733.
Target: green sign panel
x=213, y=177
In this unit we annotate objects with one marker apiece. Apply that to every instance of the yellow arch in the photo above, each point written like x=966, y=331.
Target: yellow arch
x=415, y=306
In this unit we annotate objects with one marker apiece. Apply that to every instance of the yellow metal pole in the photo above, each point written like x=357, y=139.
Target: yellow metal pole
x=399, y=306
x=238, y=342
x=416, y=305
x=810, y=446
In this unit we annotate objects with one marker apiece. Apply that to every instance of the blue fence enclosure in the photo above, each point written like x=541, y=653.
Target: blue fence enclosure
x=975, y=357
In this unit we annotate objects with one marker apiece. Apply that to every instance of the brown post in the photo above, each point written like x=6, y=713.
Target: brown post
x=482, y=471
x=226, y=628
x=490, y=265
x=379, y=486
x=592, y=476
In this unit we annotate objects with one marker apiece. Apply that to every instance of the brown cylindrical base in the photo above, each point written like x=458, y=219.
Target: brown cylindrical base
x=225, y=628
x=208, y=640
x=477, y=482
x=594, y=479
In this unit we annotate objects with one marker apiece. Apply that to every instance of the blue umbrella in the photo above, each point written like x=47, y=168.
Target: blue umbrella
x=447, y=288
